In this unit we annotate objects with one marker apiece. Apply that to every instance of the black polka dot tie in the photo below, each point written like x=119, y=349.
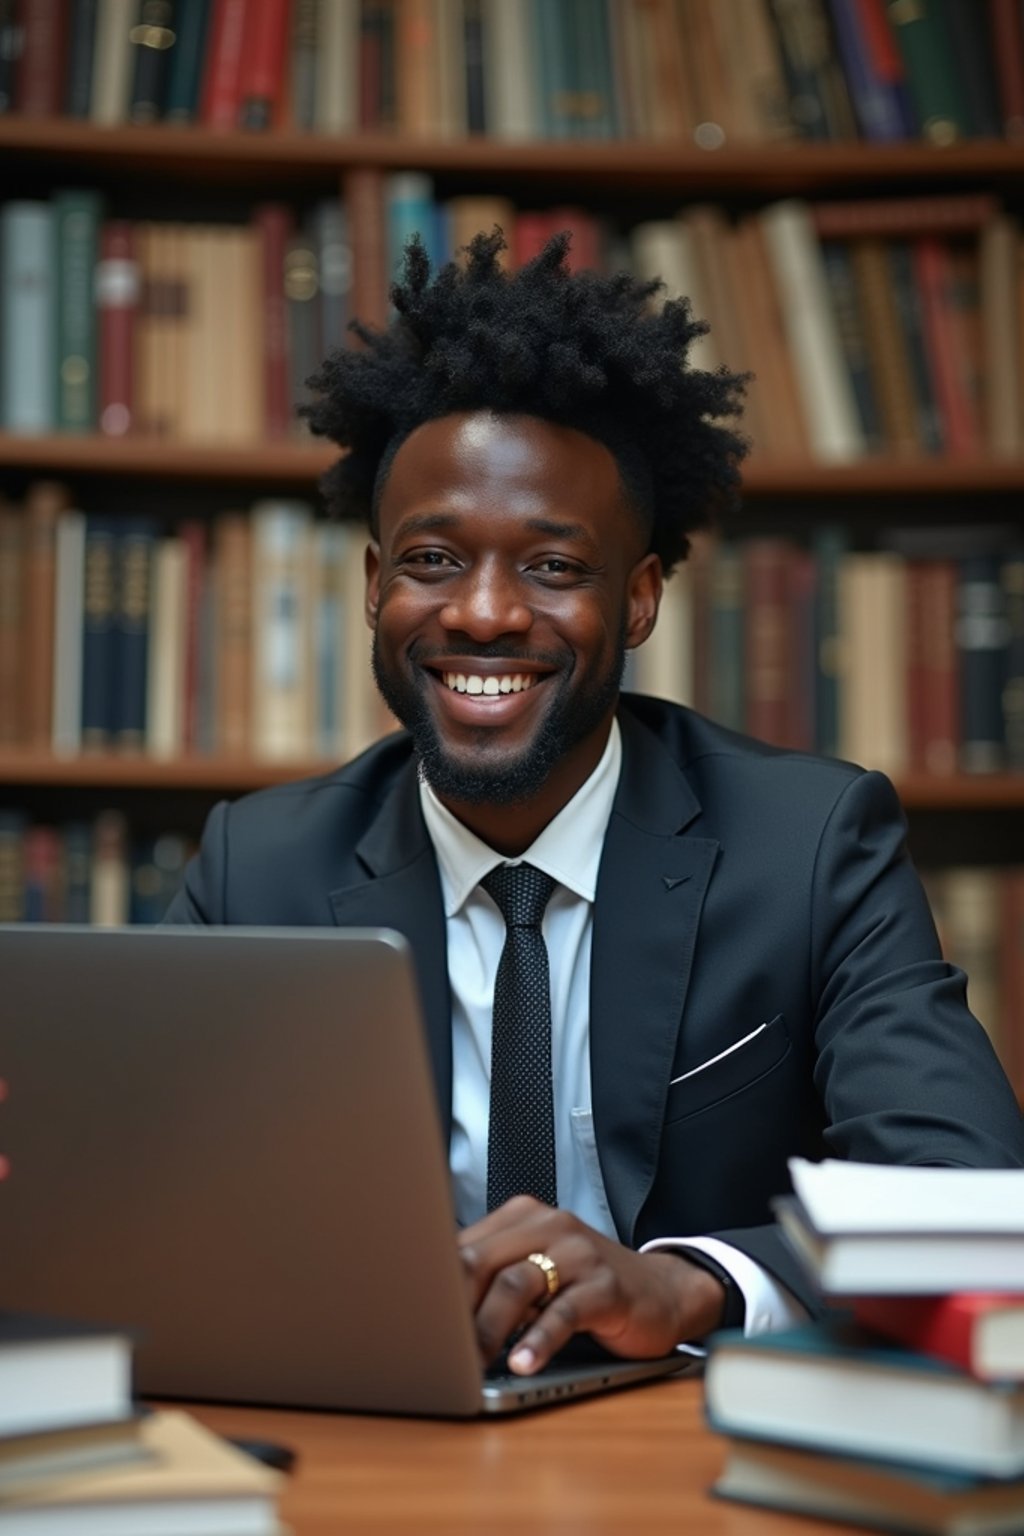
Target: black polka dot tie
x=521, y=1133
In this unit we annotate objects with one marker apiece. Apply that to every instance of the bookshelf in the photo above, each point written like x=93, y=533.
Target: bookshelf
x=190, y=171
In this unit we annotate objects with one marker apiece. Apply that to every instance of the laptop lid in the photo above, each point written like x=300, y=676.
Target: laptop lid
x=227, y=1140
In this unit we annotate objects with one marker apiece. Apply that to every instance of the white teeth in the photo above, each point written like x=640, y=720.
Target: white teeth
x=515, y=682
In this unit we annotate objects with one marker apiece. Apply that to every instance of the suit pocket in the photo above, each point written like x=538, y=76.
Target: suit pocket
x=735, y=1068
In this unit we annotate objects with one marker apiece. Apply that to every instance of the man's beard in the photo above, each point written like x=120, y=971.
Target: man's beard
x=571, y=716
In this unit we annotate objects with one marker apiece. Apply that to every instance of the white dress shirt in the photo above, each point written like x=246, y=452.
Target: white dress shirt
x=569, y=850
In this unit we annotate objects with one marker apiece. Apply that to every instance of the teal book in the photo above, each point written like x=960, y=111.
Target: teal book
x=830, y=1386
x=411, y=210
x=28, y=303
x=187, y=57
x=926, y=48
x=552, y=49
x=593, y=101
x=76, y=220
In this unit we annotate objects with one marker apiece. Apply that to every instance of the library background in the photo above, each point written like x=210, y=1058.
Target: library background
x=197, y=195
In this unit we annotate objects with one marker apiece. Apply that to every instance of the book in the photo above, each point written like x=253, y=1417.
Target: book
x=81, y=42
x=1008, y=47
x=864, y=1228
x=282, y=682
x=830, y=1386
x=41, y=69
x=981, y=635
x=1000, y=318
x=263, y=64
x=879, y=102
x=136, y=542
x=152, y=39
x=932, y=75
x=111, y=62
x=99, y=633
x=45, y=501
x=194, y=1482
x=54, y=1453
x=912, y=1500
x=12, y=624
x=117, y=296
x=168, y=650
x=510, y=79
x=76, y=219
x=221, y=91
x=981, y=1331
x=27, y=316
x=69, y=625
x=109, y=897
x=185, y=71
x=56, y=1373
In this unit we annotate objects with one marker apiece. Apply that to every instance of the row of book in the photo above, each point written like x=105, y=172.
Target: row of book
x=85, y=871
x=907, y=658
x=78, y=1454
x=904, y=1409
x=709, y=72
x=878, y=326
x=241, y=638
x=203, y=332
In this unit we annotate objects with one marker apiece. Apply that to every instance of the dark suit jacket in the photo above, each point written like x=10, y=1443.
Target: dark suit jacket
x=738, y=886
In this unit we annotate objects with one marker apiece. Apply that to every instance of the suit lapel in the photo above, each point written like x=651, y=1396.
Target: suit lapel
x=650, y=891
x=402, y=890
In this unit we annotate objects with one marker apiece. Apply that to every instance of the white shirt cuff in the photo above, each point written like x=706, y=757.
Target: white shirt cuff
x=770, y=1307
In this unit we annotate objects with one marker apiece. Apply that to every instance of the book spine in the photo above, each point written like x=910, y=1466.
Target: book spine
x=27, y=278
x=109, y=893
x=849, y=321
x=136, y=542
x=185, y=68
x=474, y=45
x=117, y=307
x=512, y=113
x=41, y=854
x=940, y=697
x=264, y=60
x=830, y=548
x=77, y=225
x=281, y=681
x=12, y=625
x=1008, y=48
x=274, y=227
x=1012, y=578
x=165, y=681
x=222, y=78
x=932, y=76
x=69, y=627
x=1000, y=318
x=970, y=36
x=726, y=683
x=11, y=42
x=908, y=306
x=334, y=258
x=303, y=62
x=81, y=42
x=981, y=643
x=364, y=202
x=99, y=634
x=768, y=660
x=233, y=632
x=416, y=76
x=41, y=70
x=887, y=346
x=302, y=290
x=152, y=40
x=934, y=280
x=45, y=502
x=112, y=58
x=192, y=533
x=877, y=107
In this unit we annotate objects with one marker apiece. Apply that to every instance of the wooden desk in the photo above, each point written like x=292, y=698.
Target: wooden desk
x=632, y=1462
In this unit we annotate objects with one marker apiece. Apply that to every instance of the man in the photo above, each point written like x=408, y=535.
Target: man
x=742, y=965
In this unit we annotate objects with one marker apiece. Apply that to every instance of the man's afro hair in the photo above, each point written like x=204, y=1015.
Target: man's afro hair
x=582, y=350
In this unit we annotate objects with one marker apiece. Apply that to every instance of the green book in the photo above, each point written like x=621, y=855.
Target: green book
x=927, y=52
x=76, y=229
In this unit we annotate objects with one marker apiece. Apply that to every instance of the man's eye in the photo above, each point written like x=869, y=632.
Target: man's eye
x=554, y=565
x=432, y=557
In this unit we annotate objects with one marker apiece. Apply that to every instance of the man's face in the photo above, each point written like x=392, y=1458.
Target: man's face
x=507, y=581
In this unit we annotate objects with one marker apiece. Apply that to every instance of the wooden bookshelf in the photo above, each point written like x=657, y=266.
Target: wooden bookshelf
x=785, y=168
x=300, y=463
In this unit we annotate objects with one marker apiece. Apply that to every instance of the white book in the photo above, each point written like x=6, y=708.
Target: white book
x=336, y=84
x=880, y=1198
x=666, y=249
x=69, y=605
x=873, y=648
x=28, y=291
x=812, y=333
x=510, y=71
x=168, y=642
x=112, y=61
x=282, y=674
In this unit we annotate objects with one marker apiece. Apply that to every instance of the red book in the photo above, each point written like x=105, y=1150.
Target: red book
x=364, y=200
x=117, y=304
x=932, y=677
x=585, y=249
x=1008, y=55
x=532, y=233
x=883, y=51
x=768, y=662
x=222, y=79
x=945, y=213
x=264, y=58
x=983, y=1332
x=935, y=281
x=275, y=224
x=41, y=68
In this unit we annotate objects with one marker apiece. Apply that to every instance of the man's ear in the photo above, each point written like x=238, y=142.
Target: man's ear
x=644, y=596
x=371, y=562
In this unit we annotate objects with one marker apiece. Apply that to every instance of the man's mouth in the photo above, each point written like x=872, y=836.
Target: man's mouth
x=490, y=684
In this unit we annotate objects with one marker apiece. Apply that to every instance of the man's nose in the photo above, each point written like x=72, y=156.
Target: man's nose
x=488, y=601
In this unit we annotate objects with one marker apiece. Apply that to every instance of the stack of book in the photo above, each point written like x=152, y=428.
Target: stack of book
x=905, y=1409
x=76, y=1457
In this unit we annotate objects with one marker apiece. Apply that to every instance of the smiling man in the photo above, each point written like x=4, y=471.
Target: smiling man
x=656, y=958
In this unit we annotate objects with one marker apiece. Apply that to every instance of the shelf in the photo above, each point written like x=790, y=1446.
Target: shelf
x=796, y=168
x=119, y=772
x=1004, y=791
x=300, y=464
x=288, y=463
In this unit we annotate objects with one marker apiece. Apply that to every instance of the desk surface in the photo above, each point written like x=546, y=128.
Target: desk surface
x=632, y=1461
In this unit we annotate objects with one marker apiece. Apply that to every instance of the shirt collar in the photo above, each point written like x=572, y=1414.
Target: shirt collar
x=568, y=849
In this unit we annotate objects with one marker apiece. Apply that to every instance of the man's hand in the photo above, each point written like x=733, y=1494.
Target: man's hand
x=637, y=1304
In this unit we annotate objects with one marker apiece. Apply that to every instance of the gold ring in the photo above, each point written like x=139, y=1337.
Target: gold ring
x=549, y=1269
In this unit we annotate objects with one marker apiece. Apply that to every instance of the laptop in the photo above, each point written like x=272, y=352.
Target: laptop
x=227, y=1141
